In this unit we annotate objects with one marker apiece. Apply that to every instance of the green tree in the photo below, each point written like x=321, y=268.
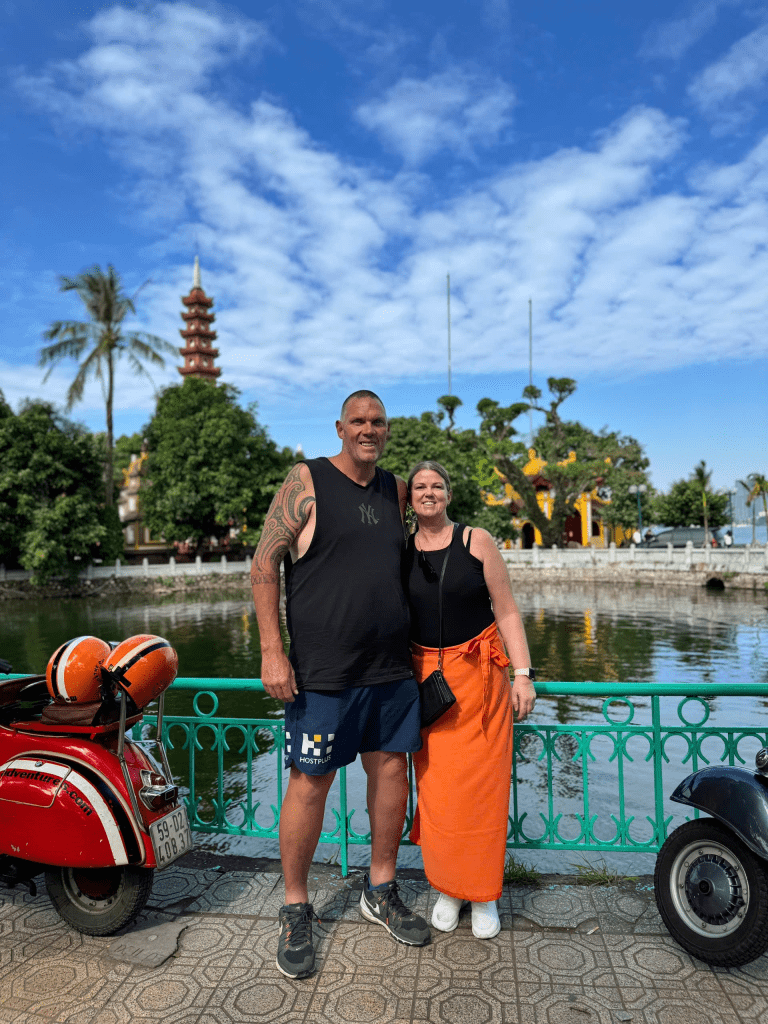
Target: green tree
x=52, y=519
x=99, y=343
x=622, y=510
x=414, y=439
x=757, y=487
x=210, y=466
x=691, y=502
x=577, y=459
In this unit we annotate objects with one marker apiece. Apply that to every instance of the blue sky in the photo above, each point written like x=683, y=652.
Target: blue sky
x=332, y=160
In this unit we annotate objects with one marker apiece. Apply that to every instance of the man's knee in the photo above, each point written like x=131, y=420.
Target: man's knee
x=309, y=788
x=385, y=764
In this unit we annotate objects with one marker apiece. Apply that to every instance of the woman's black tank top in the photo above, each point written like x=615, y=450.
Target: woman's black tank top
x=345, y=607
x=467, y=608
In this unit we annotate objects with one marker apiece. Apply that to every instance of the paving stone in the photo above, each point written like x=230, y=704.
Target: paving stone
x=565, y=954
x=149, y=943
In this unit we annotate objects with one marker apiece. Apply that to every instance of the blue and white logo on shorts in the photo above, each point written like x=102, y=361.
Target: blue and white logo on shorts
x=316, y=748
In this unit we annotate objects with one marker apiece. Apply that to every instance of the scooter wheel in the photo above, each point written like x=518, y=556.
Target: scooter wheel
x=99, y=901
x=712, y=894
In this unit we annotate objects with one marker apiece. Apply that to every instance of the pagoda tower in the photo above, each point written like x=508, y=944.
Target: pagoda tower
x=198, y=354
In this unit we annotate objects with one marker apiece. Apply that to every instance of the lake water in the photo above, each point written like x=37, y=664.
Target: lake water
x=575, y=631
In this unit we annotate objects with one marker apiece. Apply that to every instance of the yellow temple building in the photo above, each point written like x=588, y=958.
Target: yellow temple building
x=585, y=529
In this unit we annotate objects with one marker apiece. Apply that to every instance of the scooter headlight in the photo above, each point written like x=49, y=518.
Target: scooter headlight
x=155, y=792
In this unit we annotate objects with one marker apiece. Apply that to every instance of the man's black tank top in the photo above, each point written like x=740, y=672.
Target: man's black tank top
x=467, y=608
x=345, y=607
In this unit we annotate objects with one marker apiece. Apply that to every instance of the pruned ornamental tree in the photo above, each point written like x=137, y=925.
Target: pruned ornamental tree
x=53, y=517
x=210, y=467
x=577, y=459
x=688, y=502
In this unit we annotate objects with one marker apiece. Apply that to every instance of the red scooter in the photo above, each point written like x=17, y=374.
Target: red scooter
x=79, y=800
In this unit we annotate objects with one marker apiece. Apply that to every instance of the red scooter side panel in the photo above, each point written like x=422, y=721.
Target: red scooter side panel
x=53, y=814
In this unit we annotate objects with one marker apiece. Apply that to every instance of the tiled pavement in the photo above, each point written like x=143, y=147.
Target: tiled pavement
x=203, y=953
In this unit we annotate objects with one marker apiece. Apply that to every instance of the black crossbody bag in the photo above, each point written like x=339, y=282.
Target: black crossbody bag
x=436, y=694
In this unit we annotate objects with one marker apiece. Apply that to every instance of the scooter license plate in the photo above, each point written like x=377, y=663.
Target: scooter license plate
x=170, y=837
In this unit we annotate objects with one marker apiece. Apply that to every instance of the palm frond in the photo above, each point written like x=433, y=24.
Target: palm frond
x=141, y=349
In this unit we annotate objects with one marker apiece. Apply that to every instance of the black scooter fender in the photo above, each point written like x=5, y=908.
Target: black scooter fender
x=738, y=797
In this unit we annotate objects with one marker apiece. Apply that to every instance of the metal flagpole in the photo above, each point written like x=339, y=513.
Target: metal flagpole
x=530, y=360
x=448, y=296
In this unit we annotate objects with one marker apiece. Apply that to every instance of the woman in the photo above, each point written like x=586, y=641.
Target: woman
x=463, y=769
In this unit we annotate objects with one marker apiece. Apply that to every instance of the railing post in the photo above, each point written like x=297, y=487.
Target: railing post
x=344, y=831
x=658, y=761
x=689, y=552
x=535, y=554
x=198, y=565
x=172, y=565
x=670, y=553
x=145, y=565
x=633, y=549
x=117, y=567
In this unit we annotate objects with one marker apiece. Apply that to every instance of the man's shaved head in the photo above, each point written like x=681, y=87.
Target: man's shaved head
x=360, y=394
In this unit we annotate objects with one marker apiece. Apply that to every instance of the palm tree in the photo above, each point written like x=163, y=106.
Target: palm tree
x=101, y=341
x=758, y=488
x=702, y=477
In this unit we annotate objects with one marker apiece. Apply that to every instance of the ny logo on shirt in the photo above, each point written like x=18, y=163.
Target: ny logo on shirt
x=367, y=514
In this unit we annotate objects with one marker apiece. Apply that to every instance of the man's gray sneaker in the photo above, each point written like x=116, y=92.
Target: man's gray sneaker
x=295, y=952
x=383, y=906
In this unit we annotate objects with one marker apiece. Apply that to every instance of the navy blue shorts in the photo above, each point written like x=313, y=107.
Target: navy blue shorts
x=324, y=731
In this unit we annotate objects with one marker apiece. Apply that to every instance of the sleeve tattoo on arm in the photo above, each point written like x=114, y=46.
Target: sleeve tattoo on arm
x=287, y=514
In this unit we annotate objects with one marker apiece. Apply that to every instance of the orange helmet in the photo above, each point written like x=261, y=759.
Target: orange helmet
x=74, y=671
x=143, y=666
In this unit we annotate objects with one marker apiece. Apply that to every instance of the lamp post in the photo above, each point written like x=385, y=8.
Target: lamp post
x=638, y=489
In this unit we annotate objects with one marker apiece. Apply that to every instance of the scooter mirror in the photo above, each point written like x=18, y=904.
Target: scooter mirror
x=761, y=761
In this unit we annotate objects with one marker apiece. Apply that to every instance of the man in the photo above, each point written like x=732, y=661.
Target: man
x=338, y=526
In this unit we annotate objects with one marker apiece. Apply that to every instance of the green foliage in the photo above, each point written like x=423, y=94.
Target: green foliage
x=53, y=520
x=210, y=465
x=415, y=439
x=757, y=486
x=622, y=510
x=599, y=874
x=100, y=342
x=602, y=460
x=518, y=873
x=125, y=446
x=684, y=504
x=497, y=520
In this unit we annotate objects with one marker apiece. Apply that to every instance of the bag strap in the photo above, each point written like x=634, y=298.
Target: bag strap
x=440, y=603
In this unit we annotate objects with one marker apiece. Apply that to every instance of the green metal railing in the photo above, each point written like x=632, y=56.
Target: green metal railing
x=593, y=785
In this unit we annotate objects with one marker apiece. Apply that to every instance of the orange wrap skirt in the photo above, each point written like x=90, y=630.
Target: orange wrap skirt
x=463, y=770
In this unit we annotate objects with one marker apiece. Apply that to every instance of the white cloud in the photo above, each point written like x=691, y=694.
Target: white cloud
x=672, y=39
x=455, y=110
x=744, y=67
x=322, y=270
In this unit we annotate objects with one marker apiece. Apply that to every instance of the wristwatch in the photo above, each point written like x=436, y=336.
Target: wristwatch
x=530, y=672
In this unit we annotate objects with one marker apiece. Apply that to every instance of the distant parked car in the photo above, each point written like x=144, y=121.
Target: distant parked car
x=679, y=536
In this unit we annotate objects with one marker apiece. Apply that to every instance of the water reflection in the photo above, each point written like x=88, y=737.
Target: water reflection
x=575, y=632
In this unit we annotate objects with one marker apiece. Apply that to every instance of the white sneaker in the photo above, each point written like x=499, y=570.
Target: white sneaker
x=445, y=915
x=485, y=920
